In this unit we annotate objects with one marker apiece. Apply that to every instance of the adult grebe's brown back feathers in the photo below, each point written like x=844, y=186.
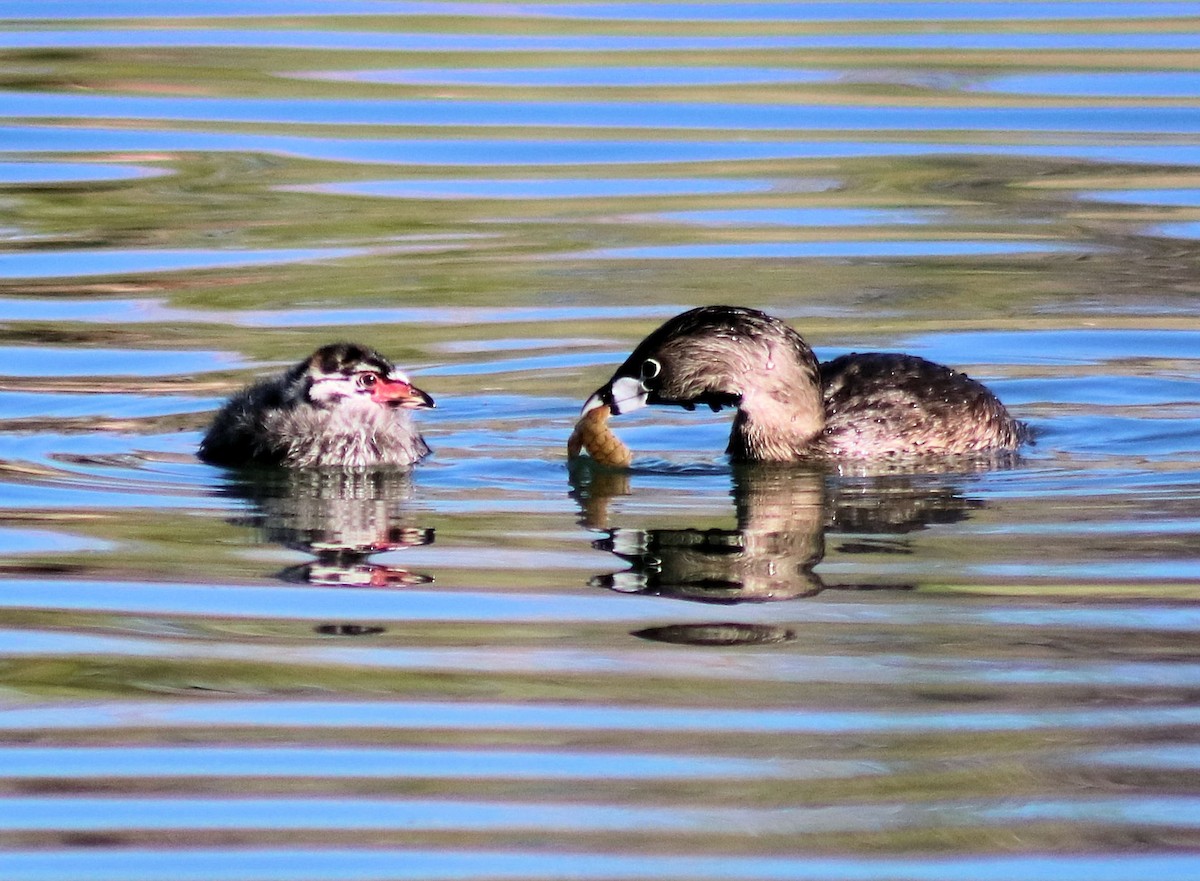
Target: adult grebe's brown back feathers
x=909, y=406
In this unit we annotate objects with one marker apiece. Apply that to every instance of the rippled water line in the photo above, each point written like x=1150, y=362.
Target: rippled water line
x=119, y=493
x=762, y=11
x=314, y=603
x=539, y=717
x=647, y=664
x=414, y=41
x=832, y=249
x=1180, y=230
x=24, y=173
x=43, y=541
x=1063, y=346
x=1184, y=197
x=59, y=405
x=44, y=361
x=817, y=217
x=553, y=152
x=1106, y=84
x=1051, y=346
x=1161, y=756
x=156, y=311
x=498, y=366
x=82, y=813
x=545, y=188
x=1094, y=84
x=781, y=10
x=359, y=864
x=657, y=116
x=365, y=762
x=1131, y=572
x=578, y=77
x=194, y=813
x=56, y=263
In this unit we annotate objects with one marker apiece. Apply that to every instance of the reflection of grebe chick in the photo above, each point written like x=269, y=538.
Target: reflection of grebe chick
x=791, y=408
x=344, y=405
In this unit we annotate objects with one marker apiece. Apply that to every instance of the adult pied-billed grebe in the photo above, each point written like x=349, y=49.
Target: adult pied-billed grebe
x=344, y=405
x=791, y=408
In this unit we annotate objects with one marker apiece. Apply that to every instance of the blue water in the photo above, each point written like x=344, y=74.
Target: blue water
x=499, y=666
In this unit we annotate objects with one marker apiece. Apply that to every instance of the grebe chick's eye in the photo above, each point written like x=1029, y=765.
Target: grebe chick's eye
x=367, y=380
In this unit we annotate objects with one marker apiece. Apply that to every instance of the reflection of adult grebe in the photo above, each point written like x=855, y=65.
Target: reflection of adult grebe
x=791, y=408
x=779, y=537
x=784, y=517
x=344, y=405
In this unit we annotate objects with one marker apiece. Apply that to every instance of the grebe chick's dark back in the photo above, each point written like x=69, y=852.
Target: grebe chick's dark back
x=791, y=408
x=345, y=405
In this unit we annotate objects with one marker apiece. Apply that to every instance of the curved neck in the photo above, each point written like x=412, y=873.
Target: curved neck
x=778, y=428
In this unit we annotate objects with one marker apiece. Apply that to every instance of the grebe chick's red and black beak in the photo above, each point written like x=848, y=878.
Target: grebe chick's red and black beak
x=345, y=405
x=792, y=408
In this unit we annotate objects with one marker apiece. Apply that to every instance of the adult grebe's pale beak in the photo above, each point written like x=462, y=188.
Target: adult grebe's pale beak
x=623, y=395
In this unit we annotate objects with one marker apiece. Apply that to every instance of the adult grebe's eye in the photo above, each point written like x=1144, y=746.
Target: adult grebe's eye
x=650, y=369
x=367, y=380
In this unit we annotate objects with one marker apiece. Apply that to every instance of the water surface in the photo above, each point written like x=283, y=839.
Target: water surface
x=501, y=667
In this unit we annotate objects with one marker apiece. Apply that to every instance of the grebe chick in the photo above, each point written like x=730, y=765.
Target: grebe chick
x=344, y=405
x=791, y=408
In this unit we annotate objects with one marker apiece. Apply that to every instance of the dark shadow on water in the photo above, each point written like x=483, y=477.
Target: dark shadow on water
x=783, y=518
x=717, y=634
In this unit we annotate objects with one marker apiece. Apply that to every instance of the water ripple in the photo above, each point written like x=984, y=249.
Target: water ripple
x=532, y=716
x=58, y=263
x=502, y=666
x=658, y=116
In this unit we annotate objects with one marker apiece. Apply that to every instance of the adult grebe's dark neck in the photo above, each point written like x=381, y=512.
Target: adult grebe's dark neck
x=728, y=356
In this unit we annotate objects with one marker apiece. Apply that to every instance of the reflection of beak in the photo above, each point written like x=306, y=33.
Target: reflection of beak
x=623, y=395
x=400, y=393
